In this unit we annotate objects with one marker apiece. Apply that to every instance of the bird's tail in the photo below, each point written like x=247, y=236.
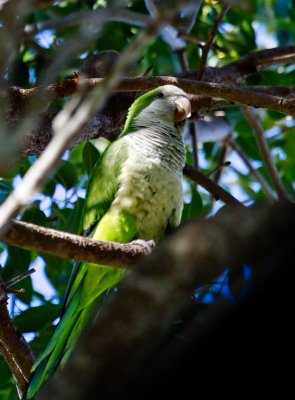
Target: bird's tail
x=81, y=303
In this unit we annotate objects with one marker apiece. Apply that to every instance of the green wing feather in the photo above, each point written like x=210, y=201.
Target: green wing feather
x=103, y=183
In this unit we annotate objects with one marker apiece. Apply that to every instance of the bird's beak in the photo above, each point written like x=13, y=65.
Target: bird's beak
x=183, y=109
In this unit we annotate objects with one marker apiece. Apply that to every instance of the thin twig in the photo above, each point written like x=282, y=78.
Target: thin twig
x=19, y=278
x=221, y=163
x=212, y=187
x=193, y=132
x=193, y=39
x=269, y=193
x=265, y=152
x=206, y=48
x=183, y=61
x=219, y=168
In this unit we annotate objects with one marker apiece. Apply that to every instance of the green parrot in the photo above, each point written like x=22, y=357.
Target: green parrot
x=135, y=192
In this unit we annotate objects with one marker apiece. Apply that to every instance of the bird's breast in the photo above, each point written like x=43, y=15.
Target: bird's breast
x=152, y=194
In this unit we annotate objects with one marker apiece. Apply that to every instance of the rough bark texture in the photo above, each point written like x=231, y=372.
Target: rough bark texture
x=61, y=244
x=13, y=346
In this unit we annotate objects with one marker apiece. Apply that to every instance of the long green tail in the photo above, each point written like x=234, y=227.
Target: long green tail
x=78, y=312
x=89, y=283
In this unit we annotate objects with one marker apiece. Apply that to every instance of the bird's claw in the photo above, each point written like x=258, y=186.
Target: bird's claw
x=147, y=245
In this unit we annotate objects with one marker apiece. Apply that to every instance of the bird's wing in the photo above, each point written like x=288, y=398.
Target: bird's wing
x=103, y=184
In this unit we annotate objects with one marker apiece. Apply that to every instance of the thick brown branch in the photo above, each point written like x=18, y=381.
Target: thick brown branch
x=128, y=332
x=109, y=122
x=233, y=93
x=14, y=348
x=73, y=247
x=249, y=64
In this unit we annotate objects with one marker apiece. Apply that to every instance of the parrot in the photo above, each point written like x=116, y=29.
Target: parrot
x=134, y=194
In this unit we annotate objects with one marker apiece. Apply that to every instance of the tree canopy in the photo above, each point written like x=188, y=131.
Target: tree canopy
x=69, y=70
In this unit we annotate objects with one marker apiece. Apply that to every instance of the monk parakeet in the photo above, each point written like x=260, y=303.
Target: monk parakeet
x=135, y=192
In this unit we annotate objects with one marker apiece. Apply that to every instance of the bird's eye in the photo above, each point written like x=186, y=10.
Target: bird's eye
x=160, y=95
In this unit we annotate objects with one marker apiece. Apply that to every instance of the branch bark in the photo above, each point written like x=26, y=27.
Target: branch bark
x=109, y=121
x=131, y=328
x=228, y=92
x=61, y=244
x=249, y=64
x=14, y=348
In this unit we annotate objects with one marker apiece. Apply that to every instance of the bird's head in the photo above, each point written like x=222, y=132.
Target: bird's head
x=167, y=105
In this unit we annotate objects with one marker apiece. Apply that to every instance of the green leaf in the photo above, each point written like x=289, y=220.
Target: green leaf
x=243, y=128
x=58, y=271
x=5, y=373
x=66, y=174
x=70, y=218
x=34, y=215
x=249, y=145
x=41, y=339
x=194, y=208
x=76, y=158
x=90, y=156
x=18, y=261
x=49, y=188
x=35, y=318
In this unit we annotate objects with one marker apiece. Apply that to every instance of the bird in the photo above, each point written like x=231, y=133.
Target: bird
x=134, y=193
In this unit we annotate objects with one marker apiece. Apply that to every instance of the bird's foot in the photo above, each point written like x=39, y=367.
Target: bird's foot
x=147, y=245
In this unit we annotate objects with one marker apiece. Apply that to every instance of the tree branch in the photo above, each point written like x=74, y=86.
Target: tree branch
x=265, y=153
x=194, y=139
x=73, y=247
x=128, y=332
x=249, y=64
x=238, y=94
x=14, y=348
x=212, y=187
x=109, y=122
